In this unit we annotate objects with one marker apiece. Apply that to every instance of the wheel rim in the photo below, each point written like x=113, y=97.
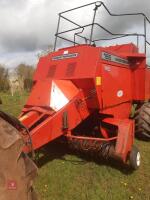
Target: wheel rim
x=138, y=159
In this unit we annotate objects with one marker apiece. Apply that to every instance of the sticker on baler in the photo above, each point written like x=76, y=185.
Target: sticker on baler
x=65, y=56
x=107, y=68
x=98, y=80
x=66, y=52
x=113, y=58
x=120, y=93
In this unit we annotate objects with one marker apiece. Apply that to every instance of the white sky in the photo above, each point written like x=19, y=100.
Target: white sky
x=28, y=26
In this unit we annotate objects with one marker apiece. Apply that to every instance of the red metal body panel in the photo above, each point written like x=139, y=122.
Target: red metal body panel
x=120, y=111
x=147, y=83
x=83, y=66
x=116, y=85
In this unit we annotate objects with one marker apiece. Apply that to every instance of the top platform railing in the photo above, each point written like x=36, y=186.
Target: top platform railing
x=79, y=29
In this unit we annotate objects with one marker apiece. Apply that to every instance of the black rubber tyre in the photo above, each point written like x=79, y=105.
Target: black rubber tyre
x=142, y=122
x=135, y=158
x=17, y=170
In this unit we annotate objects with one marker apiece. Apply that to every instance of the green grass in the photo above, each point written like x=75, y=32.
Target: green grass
x=13, y=104
x=63, y=176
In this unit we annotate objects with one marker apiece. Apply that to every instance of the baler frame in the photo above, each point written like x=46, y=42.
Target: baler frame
x=90, y=40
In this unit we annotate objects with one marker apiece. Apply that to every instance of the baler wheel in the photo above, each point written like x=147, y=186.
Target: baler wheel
x=17, y=170
x=142, y=122
x=135, y=158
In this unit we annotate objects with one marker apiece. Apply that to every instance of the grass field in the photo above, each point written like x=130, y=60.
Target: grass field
x=63, y=176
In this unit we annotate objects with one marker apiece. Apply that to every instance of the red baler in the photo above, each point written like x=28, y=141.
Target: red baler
x=85, y=93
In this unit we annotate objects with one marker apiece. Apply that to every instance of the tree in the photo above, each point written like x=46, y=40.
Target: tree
x=4, y=78
x=24, y=74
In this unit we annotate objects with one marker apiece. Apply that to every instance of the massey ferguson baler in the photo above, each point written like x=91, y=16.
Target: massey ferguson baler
x=86, y=92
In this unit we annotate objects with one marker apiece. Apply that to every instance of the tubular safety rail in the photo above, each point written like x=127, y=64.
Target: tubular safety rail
x=90, y=40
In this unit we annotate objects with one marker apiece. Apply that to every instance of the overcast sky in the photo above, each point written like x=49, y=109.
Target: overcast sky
x=28, y=26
